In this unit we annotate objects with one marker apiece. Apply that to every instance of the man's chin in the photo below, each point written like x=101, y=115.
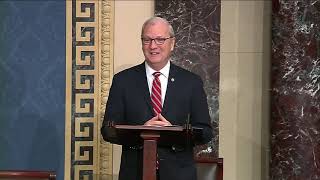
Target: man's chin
x=154, y=60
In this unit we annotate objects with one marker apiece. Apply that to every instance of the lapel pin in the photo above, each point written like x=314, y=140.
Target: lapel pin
x=172, y=79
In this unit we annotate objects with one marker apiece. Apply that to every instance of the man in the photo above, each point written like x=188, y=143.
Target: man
x=158, y=93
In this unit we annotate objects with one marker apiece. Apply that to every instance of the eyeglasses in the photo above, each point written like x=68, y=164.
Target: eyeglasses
x=158, y=41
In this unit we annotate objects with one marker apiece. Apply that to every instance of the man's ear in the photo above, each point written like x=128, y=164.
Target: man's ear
x=173, y=42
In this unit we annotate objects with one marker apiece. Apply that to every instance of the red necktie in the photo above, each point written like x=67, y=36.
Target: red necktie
x=156, y=93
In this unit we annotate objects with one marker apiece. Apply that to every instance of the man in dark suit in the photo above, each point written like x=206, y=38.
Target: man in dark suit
x=158, y=93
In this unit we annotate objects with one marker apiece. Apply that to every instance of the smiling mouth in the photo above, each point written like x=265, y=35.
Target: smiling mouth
x=154, y=53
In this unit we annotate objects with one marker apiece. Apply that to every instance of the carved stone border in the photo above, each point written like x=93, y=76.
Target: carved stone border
x=106, y=29
x=89, y=69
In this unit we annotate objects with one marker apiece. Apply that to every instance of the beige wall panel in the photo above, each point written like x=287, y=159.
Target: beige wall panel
x=229, y=26
x=249, y=116
x=228, y=113
x=244, y=112
x=251, y=24
x=129, y=17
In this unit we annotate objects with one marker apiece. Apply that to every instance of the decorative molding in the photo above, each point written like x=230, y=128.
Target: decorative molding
x=89, y=68
x=106, y=50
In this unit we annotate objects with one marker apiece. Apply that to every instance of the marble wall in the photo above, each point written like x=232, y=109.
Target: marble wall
x=197, y=29
x=295, y=102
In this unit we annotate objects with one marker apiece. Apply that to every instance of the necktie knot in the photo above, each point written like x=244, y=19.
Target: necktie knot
x=156, y=74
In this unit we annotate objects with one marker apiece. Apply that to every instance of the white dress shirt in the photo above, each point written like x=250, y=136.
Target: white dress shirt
x=163, y=79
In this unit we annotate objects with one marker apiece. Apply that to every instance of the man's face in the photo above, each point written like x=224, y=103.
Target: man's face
x=157, y=55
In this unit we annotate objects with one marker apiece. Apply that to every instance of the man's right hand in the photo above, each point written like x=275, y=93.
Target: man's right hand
x=158, y=120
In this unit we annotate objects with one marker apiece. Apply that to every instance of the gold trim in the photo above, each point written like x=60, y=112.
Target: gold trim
x=106, y=49
x=67, y=163
x=87, y=59
x=85, y=105
x=78, y=132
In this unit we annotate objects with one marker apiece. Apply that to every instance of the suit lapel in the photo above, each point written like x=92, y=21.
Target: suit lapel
x=171, y=88
x=142, y=84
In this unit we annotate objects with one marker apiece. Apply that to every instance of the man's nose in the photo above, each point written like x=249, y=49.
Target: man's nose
x=153, y=44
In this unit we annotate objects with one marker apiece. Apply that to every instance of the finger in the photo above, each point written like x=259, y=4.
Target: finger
x=151, y=121
x=155, y=118
x=159, y=123
x=163, y=119
x=156, y=123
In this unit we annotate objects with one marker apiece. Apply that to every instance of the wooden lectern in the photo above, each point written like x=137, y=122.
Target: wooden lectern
x=150, y=137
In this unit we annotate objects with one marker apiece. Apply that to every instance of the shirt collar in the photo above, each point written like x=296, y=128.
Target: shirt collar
x=164, y=71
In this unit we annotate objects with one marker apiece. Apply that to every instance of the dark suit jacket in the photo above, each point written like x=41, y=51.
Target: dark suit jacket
x=129, y=102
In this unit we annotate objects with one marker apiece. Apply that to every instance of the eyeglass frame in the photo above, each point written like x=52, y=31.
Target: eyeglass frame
x=156, y=40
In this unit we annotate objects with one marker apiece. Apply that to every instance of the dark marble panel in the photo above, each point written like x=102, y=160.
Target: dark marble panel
x=197, y=29
x=295, y=123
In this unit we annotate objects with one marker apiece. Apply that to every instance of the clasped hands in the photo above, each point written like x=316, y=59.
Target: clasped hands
x=158, y=120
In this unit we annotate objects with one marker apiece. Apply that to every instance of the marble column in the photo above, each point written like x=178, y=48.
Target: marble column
x=197, y=30
x=295, y=100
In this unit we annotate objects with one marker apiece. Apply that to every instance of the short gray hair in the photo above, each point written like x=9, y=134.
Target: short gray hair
x=155, y=19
